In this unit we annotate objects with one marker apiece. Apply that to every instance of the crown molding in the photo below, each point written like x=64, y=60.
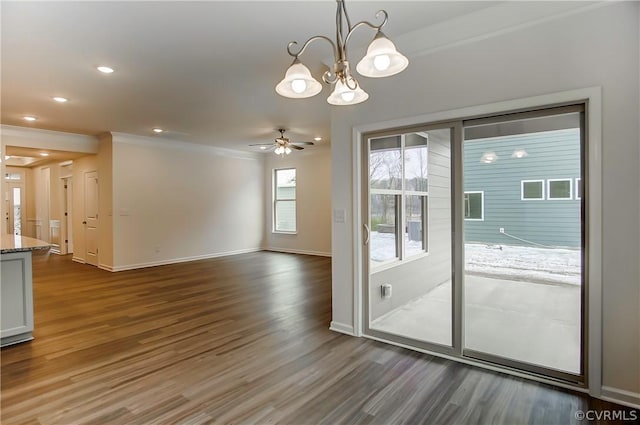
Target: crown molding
x=47, y=139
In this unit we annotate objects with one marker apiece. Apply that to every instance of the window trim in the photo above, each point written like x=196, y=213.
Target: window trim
x=577, y=183
x=481, y=192
x=274, y=196
x=522, y=182
x=569, y=198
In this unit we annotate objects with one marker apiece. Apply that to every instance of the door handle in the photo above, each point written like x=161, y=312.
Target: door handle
x=84, y=222
x=368, y=235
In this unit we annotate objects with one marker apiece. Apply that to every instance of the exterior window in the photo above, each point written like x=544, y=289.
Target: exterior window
x=284, y=200
x=474, y=205
x=578, y=188
x=13, y=176
x=532, y=189
x=559, y=189
x=399, y=197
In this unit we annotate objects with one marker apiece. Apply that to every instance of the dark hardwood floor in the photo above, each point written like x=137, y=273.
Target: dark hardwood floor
x=244, y=340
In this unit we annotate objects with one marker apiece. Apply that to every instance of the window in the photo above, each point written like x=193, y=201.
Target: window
x=13, y=176
x=474, y=206
x=559, y=189
x=531, y=190
x=399, y=197
x=578, y=188
x=284, y=200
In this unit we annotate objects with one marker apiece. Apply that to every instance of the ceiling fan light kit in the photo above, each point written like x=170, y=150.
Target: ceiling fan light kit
x=382, y=60
x=281, y=145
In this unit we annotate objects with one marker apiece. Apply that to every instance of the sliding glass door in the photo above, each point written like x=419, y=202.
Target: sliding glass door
x=409, y=225
x=474, y=239
x=523, y=241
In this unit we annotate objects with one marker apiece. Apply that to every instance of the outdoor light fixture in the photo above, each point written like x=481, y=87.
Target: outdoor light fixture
x=382, y=60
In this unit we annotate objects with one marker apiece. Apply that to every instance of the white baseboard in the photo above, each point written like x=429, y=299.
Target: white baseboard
x=78, y=260
x=105, y=267
x=178, y=260
x=299, y=251
x=626, y=398
x=342, y=328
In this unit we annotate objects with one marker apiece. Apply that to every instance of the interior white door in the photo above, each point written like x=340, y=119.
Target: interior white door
x=91, y=217
x=68, y=214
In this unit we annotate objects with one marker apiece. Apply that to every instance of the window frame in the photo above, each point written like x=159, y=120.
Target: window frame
x=276, y=199
x=569, y=198
x=468, y=192
x=577, y=185
x=542, y=185
x=401, y=195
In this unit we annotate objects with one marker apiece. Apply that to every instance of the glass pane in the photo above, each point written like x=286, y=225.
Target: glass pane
x=560, y=189
x=384, y=245
x=385, y=163
x=17, y=211
x=286, y=216
x=286, y=184
x=532, y=190
x=415, y=163
x=413, y=299
x=523, y=262
x=414, y=210
x=473, y=206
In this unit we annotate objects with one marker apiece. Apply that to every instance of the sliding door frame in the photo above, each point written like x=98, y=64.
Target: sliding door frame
x=592, y=252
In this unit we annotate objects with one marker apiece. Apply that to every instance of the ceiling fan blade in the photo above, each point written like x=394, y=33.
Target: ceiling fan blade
x=295, y=147
x=302, y=143
x=262, y=144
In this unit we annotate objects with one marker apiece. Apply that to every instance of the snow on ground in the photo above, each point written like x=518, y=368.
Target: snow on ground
x=531, y=264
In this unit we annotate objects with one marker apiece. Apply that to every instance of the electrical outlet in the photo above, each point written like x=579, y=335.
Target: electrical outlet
x=502, y=230
x=385, y=290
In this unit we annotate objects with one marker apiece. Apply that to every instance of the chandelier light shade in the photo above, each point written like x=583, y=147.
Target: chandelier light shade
x=382, y=60
x=343, y=95
x=298, y=82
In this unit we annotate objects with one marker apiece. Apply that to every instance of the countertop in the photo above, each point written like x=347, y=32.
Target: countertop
x=12, y=243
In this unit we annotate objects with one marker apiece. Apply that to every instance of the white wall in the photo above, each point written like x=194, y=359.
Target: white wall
x=313, y=203
x=599, y=47
x=175, y=202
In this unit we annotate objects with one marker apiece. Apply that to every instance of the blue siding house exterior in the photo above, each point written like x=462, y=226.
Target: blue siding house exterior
x=524, y=189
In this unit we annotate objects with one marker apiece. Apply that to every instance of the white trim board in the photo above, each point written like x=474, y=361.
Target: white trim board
x=47, y=139
x=626, y=398
x=342, y=328
x=176, y=260
x=298, y=251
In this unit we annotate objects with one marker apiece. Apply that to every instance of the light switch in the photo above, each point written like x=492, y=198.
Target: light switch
x=339, y=215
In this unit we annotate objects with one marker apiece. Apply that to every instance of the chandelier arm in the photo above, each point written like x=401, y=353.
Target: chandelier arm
x=309, y=41
x=355, y=83
x=369, y=24
x=330, y=77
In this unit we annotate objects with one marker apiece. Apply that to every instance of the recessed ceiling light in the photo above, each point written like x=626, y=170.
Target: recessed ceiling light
x=60, y=99
x=29, y=118
x=317, y=139
x=44, y=153
x=157, y=130
x=105, y=69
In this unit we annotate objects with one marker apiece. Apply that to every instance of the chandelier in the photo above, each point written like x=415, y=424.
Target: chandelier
x=382, y=60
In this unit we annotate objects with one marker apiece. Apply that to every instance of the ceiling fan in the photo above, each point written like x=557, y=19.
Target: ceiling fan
x=281, y=145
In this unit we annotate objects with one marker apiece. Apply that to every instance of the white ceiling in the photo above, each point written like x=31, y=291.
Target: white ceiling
x=204, y=71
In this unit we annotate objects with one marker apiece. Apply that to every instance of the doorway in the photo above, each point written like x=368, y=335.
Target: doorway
x=481, y=254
